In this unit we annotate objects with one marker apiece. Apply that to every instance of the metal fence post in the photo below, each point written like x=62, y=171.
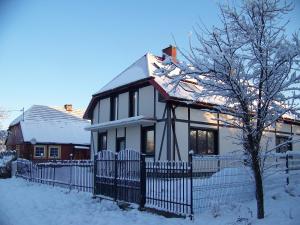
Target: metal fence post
x=287, y=168
x=70, y=185
x=143, y=180
x=95, y=175
x=54, y=165
x=191, y=184
x=30, y=171
x=116, y=177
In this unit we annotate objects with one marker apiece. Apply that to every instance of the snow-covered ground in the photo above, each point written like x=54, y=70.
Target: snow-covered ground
x=24, y=203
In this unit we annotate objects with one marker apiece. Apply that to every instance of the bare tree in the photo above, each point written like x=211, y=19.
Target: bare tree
x=252, y=66
x=3, y=115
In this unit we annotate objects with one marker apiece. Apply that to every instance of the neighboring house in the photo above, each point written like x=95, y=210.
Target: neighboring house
x=142, y=111
x=45, y=132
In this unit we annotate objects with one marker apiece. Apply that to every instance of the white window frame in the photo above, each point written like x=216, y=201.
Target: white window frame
x=40, y=146
x=59, y=151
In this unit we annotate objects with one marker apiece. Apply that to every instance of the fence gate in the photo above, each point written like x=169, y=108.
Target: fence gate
x=118, y=175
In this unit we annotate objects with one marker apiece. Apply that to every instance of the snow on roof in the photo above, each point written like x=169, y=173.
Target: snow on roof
x=137, y=71
x=48, y=124
x=147, y=66
x=122, y=122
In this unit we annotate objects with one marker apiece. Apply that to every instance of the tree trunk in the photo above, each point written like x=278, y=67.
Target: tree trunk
x=258, y=188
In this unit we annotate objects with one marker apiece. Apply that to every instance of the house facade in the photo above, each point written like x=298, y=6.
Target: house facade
x=142, y=111
x=50, y=133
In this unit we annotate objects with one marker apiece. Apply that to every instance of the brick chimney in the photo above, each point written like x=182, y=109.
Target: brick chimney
x=68, y=107
x=170, y=51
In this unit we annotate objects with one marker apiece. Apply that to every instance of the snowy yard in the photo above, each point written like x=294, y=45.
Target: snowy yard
x=24, y=203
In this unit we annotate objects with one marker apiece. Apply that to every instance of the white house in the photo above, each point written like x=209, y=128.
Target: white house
x=142, y=111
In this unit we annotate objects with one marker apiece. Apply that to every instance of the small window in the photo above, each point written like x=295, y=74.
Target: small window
x=102, y=141
x=121, y=144
x=114, y=108
x=39, y=151
x=54, y=152
x=285, y=147
x=133, y=103
x=148, y=140
x=203, y=141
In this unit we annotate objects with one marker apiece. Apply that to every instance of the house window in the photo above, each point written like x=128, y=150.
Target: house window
x=148, y=140
x=54, y=152
x=285, y=147
x=114, y=108
x=204, y=141
x=121, y=144
x=133, y=103
x=39, y=151
x=102, y=141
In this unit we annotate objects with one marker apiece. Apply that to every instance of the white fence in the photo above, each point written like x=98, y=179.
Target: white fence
x=72, y=174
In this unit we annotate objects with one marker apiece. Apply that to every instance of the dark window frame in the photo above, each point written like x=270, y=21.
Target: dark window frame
x=100, y=144
x=143, y=141
x=114, y=107
x=289, y=146
x=216, y=139
x=131, y=104
x=119, y=139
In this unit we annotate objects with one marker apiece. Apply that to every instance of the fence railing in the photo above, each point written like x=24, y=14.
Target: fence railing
x=182, y=188
x=72, y=174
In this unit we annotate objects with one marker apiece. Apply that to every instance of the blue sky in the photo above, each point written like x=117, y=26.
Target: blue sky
x=62, y=51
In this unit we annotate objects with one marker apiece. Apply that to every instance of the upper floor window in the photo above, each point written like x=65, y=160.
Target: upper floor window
x=114, y=108
x=133, y=103
x=102, y=141
x=204, y=141
x=280, y=140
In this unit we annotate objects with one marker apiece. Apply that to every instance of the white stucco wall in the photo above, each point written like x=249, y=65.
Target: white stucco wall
x=146, y=101
x=123, y=105
x=111, y=140
x=104, y=110
x=96, y=114
x=182, y=135
x=133, y=138
x=160, y=107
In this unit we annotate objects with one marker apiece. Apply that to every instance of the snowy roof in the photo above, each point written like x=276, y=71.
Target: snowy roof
x=48, y=124
x=122, y=122
x=146, y=66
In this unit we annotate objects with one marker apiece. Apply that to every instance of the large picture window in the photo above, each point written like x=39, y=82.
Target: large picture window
x=39, y=151
x=114, y=108
x=148, y=140
x=285, y=147
x=102, y=141
x=133, y=103
x=204, y=141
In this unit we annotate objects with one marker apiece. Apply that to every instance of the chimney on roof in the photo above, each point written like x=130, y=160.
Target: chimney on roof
x=68, y=107
x=170, y=51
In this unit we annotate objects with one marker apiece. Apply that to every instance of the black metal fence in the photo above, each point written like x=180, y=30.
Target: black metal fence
x=169, y=187
x=72, y=174
x=182, y=188
x=118, y=176
x=185, y=188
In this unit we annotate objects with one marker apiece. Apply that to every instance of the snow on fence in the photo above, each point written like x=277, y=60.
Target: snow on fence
x=182, y=188
x=223, y=179
x=72, y=174
x=219, y=180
